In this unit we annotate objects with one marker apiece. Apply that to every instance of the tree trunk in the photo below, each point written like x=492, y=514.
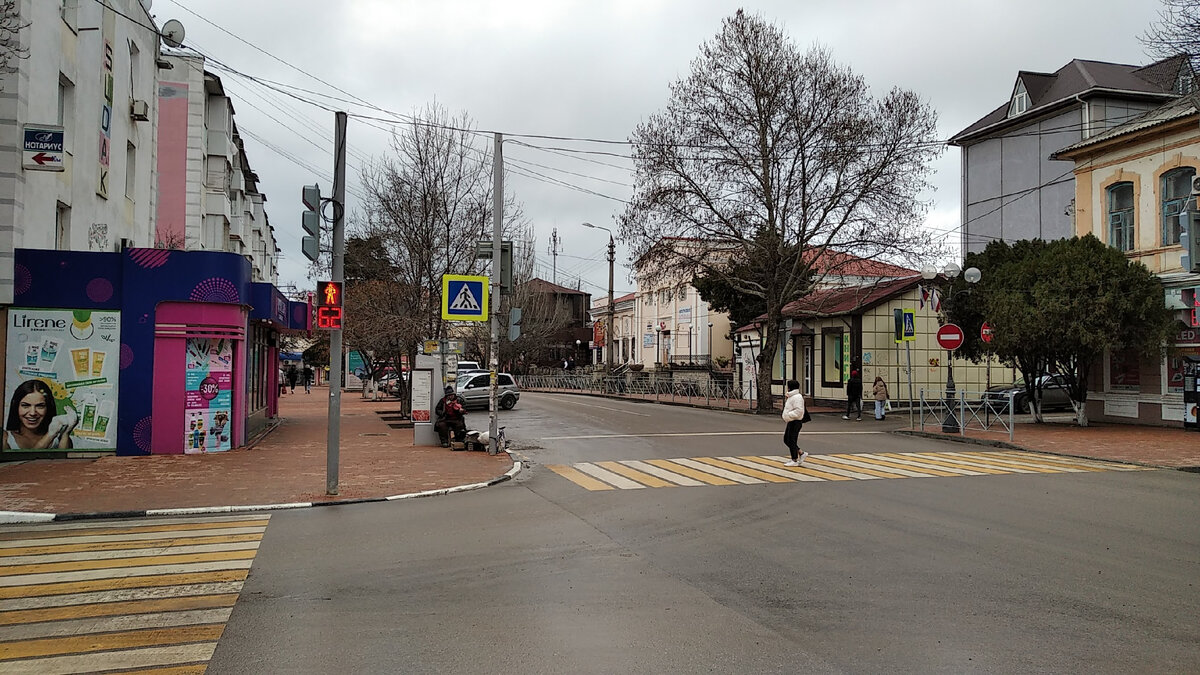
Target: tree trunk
x=766, y=370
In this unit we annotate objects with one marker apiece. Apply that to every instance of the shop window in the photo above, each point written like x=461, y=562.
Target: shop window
x=1120, y=216
x=831, y=357
x=1176, y=190
x=1124, y=371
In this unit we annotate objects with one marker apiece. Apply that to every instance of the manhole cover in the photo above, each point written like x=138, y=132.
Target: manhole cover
x=375, y=433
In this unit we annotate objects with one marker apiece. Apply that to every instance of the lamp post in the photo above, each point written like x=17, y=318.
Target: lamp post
x=608, y=326
x=950, y=424
x=657, y=343
x=649, y=327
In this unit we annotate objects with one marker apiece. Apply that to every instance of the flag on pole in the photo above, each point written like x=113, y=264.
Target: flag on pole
x=935, y=298
x=924, y=295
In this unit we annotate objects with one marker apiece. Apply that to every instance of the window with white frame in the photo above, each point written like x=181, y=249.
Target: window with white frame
x=130, y=171
x=1020, y=100
x=1176, y=190
x=683, y=292
x=1120, y=216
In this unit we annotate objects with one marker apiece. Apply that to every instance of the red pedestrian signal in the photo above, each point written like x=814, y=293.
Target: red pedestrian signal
x=329, y=305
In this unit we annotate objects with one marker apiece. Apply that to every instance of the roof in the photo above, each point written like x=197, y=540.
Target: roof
x=1180, y=108
x=848, y=264
x=542, y=286
x=602, y=301
x=1051, y=90
x=826, y=302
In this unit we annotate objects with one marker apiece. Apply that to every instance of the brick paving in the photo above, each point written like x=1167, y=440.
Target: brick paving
x=286, y=465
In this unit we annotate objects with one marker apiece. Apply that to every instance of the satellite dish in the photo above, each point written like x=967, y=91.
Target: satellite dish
x=172, y=33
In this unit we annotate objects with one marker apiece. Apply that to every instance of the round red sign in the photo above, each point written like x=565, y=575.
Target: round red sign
x=985, y=332
x=950, y=337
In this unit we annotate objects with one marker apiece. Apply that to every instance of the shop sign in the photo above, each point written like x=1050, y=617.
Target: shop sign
x=208, y=399
x=62, y=365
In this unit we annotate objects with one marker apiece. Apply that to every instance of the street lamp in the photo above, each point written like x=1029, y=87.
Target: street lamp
x=612, y=254
x=950, y=423
x=657, y=344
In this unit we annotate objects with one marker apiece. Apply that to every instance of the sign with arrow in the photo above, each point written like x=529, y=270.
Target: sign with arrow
x=464, y=298
x=42, y=149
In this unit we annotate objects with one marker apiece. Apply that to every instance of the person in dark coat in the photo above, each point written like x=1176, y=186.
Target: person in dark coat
x=293, y=374
x=854, y=390
x=451, y=413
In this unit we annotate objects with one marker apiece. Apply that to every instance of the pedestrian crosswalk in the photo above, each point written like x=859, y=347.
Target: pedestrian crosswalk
x=148, y=595
x=751, y=469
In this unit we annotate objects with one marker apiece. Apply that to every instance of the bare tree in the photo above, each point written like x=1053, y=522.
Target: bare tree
x=11, y=26
x=427, y=206
x=782, y=160
x=1177, y=30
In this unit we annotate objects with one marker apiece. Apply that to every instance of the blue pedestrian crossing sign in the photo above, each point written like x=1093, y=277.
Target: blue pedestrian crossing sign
x=464, y=298
x=910, y=325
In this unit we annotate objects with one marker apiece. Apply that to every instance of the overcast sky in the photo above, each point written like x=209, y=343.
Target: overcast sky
x=595, y=70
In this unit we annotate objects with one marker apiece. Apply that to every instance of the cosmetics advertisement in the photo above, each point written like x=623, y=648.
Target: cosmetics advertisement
x=208, y=404
x=61, y=385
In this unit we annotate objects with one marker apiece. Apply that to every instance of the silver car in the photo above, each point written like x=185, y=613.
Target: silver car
x=473, y=388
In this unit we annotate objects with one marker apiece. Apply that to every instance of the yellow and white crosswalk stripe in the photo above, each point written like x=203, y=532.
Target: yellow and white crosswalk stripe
x=150, y=594
x=750, y=470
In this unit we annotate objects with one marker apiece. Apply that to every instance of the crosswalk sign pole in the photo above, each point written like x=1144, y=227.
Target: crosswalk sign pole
x=497, y=225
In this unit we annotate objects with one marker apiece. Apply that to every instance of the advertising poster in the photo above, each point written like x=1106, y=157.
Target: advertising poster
x=61, y=385
x=208, y=402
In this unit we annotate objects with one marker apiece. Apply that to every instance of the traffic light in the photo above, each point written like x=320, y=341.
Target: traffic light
x=329, y=305
x=311, y=220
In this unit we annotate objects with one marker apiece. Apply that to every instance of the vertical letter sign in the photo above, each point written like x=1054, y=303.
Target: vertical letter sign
x=329, y=305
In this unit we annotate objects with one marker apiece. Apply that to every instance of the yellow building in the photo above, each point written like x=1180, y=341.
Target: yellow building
x=1131, y=183
x=836, y=326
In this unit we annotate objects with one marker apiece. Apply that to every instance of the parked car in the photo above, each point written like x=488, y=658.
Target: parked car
x=473, y=388
x=1054, y=391
x=468, y=365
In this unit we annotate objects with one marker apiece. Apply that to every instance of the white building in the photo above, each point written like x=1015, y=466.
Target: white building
x=89, y=72
x=208, y=194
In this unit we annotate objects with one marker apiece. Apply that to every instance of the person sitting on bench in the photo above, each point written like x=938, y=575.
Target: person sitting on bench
x=451, y=417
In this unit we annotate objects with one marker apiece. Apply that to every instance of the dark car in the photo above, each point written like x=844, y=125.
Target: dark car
x=1055, y=394
x=474, y=389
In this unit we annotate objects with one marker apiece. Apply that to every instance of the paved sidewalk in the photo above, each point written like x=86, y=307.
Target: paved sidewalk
x=285, y=466
x=1171, y=448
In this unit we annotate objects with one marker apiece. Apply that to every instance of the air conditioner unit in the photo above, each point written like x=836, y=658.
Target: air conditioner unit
x=1196, y=184
x=139, y=110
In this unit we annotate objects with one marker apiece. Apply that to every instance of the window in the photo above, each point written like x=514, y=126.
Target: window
x=504, y=380
x=1186, y=81
x=1176, y=189
x=683, y=292
x=1020, y=100
x=664, y=296
x=831, y=357
x=62, y=227
x=66, y=109
x=1120, y=216
x=130, y=170
x=69, y=11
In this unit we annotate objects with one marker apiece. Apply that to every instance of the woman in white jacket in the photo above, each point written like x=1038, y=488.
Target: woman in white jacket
x=793, y=414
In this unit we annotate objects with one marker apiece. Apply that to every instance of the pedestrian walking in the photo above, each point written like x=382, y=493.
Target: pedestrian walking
x=292, y=375
x=854, y=391
x=308, y=378
x=795, y=415
x=282, y=381
x=880, y=391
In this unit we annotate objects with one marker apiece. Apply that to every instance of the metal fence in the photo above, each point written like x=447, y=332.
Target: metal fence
x=966, y=410
x=710, y=393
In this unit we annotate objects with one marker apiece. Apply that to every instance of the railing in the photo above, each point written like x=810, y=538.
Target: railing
x=966, y=410
x=712, y=394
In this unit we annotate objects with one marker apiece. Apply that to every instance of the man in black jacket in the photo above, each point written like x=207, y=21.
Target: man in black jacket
x=451, y=415
x=854, y=389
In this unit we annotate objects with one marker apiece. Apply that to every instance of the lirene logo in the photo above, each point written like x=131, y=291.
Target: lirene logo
x=24, y=321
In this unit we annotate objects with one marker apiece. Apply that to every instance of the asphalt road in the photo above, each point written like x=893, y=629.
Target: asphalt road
x=1050, y=572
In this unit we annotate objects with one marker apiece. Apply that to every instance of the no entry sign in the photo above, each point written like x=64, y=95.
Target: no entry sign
x=985, y=332
x=950, y=337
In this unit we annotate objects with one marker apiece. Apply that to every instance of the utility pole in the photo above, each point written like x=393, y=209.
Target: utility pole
x=335, y=336
x=609, y=330
x=555, y=247
x=497, y=222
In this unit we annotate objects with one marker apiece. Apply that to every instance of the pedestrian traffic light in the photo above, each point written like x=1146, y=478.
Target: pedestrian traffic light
x=329, y=305
x=311, y=221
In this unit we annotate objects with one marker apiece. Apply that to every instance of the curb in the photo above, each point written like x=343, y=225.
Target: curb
x=13, y=517
x=1013, y=446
